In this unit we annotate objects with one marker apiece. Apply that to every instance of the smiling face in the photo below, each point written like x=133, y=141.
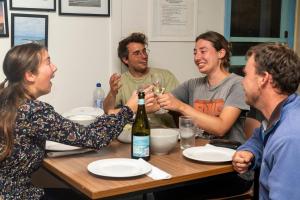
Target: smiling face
x=40, y=83
x=251, y=82
x=137, y=60
x=206, y=57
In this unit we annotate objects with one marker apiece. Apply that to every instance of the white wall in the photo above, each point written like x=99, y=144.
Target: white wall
x=84, y=48
x=79, y=46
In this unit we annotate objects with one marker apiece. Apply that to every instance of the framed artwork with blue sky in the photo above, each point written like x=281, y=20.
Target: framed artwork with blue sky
x=27, y=28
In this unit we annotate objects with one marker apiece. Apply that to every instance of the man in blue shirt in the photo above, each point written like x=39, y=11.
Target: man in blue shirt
x=272, y=76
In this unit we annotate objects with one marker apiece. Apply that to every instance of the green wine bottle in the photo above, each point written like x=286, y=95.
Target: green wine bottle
x=140, y=141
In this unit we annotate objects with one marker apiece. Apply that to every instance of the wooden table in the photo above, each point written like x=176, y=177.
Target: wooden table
x=73, y=170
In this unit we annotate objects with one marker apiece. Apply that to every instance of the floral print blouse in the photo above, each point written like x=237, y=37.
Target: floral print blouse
x=37, y=122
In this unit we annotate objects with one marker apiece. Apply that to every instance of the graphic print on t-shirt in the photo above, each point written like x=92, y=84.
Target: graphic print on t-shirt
x=211, y=107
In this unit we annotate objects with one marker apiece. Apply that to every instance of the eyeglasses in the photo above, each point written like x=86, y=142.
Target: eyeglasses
x=141, y=52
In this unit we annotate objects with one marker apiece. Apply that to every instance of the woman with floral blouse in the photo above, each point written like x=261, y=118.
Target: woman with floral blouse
x=26, y=123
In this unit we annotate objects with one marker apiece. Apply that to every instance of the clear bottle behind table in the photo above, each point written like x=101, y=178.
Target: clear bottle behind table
x=98, y=96
x=140, y=141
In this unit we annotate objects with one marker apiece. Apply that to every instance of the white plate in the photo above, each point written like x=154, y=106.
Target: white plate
x=84, y=111
x=55, y=146
x=209, y=154
x=118, y=168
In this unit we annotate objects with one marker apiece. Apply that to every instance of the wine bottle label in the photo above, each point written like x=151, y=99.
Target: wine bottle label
x=140, y=146
x=141, y=101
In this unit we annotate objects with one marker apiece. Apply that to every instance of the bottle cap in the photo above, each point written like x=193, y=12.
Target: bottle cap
x=98, y=84
x=141, y=94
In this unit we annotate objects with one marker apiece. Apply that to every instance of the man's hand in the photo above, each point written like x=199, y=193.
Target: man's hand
x=110, y=99
x=114, y=83
x=241, y=161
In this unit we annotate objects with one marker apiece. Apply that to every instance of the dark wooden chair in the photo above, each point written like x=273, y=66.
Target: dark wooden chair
x=251, y=194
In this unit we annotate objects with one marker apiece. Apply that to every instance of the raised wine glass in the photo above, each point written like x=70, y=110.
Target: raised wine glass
x=158, y=89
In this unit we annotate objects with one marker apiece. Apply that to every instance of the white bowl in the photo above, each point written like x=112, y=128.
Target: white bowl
x=162, y=141
x=84, y=120
x=83, y=115
x=125, y=136
x=85, y=111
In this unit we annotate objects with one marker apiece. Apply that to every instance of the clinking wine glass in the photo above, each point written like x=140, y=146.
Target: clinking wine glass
x=158, y=90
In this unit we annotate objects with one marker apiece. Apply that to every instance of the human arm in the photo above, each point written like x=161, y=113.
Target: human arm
x=110, y=99
x=167, y=82
x=151, y=104
x=282, y=161
x=254, y=145
x=49, y=125
x=215, y=111
x=150, y=101
x=217, y=125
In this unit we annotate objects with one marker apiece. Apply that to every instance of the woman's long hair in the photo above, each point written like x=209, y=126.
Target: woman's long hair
x=18, y=60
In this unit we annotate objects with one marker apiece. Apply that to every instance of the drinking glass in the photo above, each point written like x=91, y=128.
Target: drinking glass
x=187, y=132
x=158, y=89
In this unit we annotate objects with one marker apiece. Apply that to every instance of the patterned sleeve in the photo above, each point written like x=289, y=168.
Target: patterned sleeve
x=49, y=125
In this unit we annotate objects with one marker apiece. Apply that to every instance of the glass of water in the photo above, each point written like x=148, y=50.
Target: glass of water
x=187, y=132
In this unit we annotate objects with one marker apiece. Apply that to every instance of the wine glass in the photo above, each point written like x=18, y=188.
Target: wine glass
x=158, y=89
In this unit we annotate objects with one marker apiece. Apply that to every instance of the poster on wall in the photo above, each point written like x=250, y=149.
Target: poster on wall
x=85, y=8
x=172, y=20
x=27, y=28
x=3, y=19
x=35, y=5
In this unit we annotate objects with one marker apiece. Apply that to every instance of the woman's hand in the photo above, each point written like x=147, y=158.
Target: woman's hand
x=169, y=102
x=150, y=100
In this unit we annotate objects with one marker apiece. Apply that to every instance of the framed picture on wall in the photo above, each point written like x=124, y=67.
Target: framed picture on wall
x=85, y=8
x=35, y=5
x=27, y=28
x=172, y=20
x=3, y=19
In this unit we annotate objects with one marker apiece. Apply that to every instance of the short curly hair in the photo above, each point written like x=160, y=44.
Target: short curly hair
x=134, y=37
x=279, y=61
